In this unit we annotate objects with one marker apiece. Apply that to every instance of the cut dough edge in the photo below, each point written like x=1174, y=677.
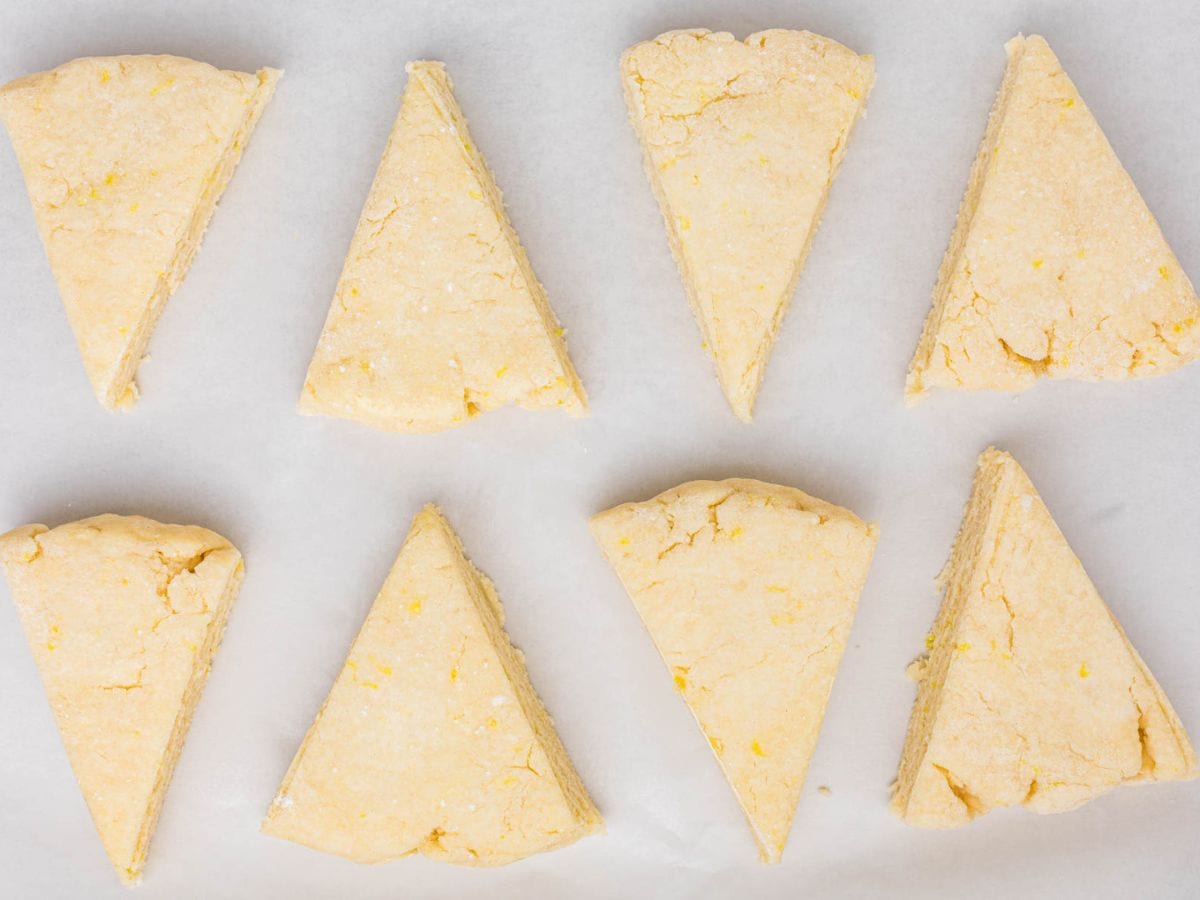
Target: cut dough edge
x=118, y=390
x=183, y=720
x=914, y=388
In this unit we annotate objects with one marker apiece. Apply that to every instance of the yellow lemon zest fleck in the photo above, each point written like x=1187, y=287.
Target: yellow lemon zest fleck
x=1164, y=272
x=500, y=371
x=162, y=85
x=756, y=748
x=454, y=674
x=735, y=533
x=624, y=540
x=49, y=646
x=1081, y=253
x=1069, y=102
x=415, y=606
x=491, y=722
x=680, y=683
x=370, y=684
x=717, y=745
x=1037, y=263
x=963, y=647
x=929, y=639
x=776, y=589
x=104, y=76
x=685, y=223
x=383, y=670
x=474, y=194
x=133, y=207
x=663, y=166
x=1083, y=670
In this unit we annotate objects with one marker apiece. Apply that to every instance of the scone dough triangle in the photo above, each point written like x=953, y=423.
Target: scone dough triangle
x=1056, y=268
x=1032, y=695
x=748, y=590
x=125, y=158
x=742, y=140
x=438, y=315
x=123, y=615
x=432, y=739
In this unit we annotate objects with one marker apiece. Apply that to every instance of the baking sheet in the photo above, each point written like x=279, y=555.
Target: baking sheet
x=320, y=506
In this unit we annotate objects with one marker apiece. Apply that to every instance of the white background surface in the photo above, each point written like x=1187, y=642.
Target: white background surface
x=320, y=506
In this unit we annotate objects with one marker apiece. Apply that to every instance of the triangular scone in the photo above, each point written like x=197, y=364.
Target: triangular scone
x=123, y=615
x=438, y=315
x=432, y=739
x=748, y=590
x=742, y=140
x=1056, y=268
x=125, y=158
x=1031, y=694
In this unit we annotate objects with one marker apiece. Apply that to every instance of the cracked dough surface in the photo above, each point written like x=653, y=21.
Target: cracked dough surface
x=748, y=590
x=742, y=140
x=438, y=315
x=123, y=616
x=432, y=739
x=1032, y=693
x=1056, y=267
x=124, y=159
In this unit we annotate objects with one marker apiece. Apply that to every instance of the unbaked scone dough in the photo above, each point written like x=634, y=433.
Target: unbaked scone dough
x=748, y=590
x=123, y=615
x=1032, y=695
x=438, y=315
x=432, y=739
x=742, y=140
x=1056, y=268
x=125, y=158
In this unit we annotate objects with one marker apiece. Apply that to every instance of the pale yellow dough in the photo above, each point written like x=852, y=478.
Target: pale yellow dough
x=438, y=315
x=432, y=739
x=748, y=590
x=1032, y=695
x=742, y=140
x=124, y=159
x=1056, y=268
x=123, y=615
